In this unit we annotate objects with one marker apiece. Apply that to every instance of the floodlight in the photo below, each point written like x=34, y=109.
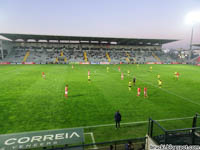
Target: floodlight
x=193, y=17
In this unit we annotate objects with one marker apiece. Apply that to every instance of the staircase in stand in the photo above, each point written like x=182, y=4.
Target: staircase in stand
x=85, y=56
x=127, y=58
x=26, y=56
x=108, y=57
x=156, y=57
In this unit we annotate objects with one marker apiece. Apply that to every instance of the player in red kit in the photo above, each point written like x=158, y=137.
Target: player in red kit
x=119, y=68
x=43, y=75
x=138, y=91
x=122, y=76
x=177, y=75
x=145, y=92
x=66, y=91
x=88, y=72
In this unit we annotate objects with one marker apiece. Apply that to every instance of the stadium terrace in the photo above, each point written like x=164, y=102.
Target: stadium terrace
x=43, y=49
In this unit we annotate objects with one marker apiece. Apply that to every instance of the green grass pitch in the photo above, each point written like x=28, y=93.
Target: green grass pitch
x=30, y=103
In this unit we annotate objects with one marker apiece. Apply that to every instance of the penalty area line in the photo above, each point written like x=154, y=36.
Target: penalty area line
x=93, y=140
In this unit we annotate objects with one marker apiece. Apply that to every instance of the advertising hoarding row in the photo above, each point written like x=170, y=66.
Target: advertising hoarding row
x=28, y=140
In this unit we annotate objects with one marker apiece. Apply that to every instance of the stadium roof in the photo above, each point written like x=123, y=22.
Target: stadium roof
x=196, y=45
x=81, y=39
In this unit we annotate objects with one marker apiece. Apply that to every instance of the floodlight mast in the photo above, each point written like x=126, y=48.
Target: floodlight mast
x=190, y=53
x=192, y=18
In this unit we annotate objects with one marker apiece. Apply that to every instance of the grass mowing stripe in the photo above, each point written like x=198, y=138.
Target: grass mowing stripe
x=132, y=123
x=184, y=98
x=29, y=103
x=172, y=93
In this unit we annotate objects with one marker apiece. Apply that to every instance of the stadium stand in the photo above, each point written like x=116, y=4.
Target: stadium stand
x=41, y=55
x=195, y=54
x=43, y=49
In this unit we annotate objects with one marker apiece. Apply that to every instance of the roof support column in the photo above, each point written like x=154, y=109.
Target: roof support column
x=2, y=54
x=1, y=49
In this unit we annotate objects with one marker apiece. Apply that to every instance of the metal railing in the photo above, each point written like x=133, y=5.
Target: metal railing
x=117, y=145
x=189, y=136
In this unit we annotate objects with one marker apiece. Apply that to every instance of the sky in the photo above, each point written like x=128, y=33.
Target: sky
x=163, y=19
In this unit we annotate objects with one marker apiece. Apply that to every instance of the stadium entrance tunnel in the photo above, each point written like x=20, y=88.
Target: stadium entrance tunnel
x=181, y=136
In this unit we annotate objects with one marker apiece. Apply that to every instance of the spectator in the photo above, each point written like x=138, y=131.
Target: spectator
x=117, y=119
x=126, y=146
x=129, y=146
x=111, y=147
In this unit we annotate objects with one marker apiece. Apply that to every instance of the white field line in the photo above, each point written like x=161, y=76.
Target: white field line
x=93, y=140
x=172, y=93
x=169, y=92
x=9, y=71
x=132, y=123
x=140, y=122
x=106, y=125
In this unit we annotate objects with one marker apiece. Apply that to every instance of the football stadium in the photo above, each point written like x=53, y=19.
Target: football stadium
x=66, y=92
x=36, y=69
